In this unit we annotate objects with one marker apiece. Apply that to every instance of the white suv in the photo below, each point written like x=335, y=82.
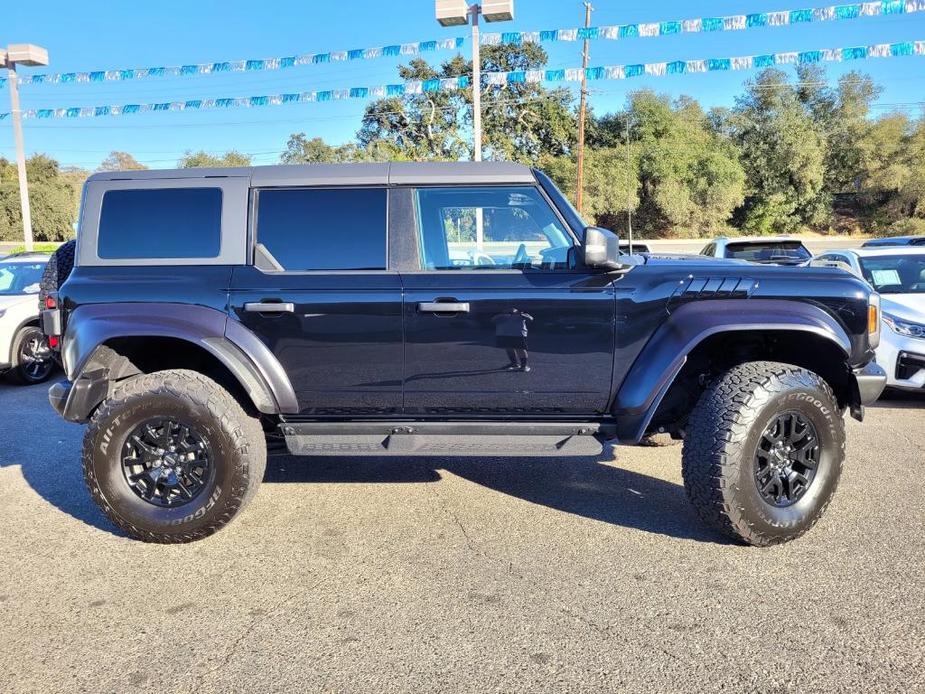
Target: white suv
x=898, y=274
x=24, y=354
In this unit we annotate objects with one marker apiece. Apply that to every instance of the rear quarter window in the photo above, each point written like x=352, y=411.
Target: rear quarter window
x=161, y=223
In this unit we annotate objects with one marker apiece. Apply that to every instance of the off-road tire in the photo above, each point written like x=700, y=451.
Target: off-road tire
x=720, y=448
x=236, y=439
x=57, y=270
x=18, y=373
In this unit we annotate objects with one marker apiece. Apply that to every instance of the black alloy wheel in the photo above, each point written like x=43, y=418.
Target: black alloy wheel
x=786, y=459
x=33, y=360
x=166, y=462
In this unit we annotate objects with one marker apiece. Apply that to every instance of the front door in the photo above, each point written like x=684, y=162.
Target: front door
x=498, y=321
x=323, y=301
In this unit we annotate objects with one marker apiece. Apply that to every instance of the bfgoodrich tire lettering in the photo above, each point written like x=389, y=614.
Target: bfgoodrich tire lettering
x=726, y=427
x=237, y=444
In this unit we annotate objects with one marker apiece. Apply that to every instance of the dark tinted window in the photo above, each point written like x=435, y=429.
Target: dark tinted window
x=771, y=252
x=161, y=223
x=316, y=229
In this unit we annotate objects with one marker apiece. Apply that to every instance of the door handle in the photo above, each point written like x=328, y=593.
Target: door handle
x=444, y=307
x=269, y=307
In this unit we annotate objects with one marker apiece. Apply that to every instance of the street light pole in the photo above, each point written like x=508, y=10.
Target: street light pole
x=16, y=115
x=458, y=12
x=26, y=54
x=474, y=11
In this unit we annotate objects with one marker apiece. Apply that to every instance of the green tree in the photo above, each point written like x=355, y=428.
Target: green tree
x=524, y=121
x=52, y=200
x=120, y=161
x=842, y=115
x=418, y=126
x=783, y=153
x=689, y=177
x=202, y=159
x=611, y=183
x=520, y=121
x=302, y=150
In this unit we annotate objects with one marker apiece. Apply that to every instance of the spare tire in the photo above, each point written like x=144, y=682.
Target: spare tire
x=57, y=270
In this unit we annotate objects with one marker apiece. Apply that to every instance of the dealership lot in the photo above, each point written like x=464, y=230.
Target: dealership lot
x=457, y=574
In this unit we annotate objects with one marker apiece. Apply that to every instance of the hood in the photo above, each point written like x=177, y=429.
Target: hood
x=910, y=307
x=682, y=259
x=14, y=299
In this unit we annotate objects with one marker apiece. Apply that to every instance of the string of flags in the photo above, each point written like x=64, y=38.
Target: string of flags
x=612, y=72
x=225, y=66
x=780, y=18
x=736, y=22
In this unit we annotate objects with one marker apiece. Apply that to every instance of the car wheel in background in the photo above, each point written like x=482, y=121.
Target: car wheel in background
x=32, y=359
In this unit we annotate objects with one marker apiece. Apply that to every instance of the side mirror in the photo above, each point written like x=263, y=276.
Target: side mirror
x=601, y=249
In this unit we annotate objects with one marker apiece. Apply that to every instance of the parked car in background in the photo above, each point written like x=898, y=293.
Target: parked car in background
x=637, y=247
x=768, y=250
x=895, y=241
x=24, y=354
x=898, y=274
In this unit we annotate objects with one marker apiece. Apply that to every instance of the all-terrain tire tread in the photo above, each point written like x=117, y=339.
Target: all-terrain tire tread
x=718, y=429
x=57, y=270
x=245, y=431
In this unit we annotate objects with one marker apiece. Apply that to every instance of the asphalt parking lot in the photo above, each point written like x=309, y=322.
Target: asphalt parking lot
x=462, y=575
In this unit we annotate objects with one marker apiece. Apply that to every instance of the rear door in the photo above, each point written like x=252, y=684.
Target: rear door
x=322, y=299
x=498, y=321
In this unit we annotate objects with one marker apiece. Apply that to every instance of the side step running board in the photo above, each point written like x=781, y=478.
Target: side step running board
x=473, y=438
x=443, y=445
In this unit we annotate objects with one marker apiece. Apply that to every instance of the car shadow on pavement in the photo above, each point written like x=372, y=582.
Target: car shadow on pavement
x=47, y=450
x=583, y=486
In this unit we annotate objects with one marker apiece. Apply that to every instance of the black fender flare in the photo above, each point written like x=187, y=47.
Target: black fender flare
x=248, y=359
x=666, y=352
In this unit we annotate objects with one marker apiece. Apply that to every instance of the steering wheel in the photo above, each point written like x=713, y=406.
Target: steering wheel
x=522, y=257
x=482, y=259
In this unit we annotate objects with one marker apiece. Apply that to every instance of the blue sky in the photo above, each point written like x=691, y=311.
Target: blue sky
x=93, y=35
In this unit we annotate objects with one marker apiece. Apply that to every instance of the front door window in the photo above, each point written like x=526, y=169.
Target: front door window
x=490, y=228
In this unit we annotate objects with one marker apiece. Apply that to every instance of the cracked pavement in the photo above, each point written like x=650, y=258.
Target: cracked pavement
x=461, y=574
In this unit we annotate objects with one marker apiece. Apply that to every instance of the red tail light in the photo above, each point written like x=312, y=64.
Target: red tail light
x=53, y=341
x=50, y=302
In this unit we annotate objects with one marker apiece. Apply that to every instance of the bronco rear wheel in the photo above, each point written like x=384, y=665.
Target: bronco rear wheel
x=764, y=452
x=172, y=457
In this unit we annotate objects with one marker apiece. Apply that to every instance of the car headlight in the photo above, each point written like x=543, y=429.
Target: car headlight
x=904, y=327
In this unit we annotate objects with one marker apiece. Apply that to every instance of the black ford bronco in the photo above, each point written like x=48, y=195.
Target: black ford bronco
x=434, y=308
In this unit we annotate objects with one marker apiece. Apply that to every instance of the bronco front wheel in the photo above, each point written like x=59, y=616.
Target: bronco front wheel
x=764, y=452
x=172, y=457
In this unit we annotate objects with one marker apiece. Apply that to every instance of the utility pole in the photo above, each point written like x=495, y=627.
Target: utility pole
x=581, y=116
x=457, y=13
x=629, y=180
x=26, y=54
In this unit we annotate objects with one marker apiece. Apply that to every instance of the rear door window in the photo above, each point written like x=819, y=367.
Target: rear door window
x=161, y=223
x=307, y=229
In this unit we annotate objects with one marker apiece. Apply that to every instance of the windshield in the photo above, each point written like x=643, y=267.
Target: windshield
x=895, y=274
x=20, y=278
x=770, y=252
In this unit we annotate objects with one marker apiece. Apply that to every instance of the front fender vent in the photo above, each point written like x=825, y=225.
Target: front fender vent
x=715, y=288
